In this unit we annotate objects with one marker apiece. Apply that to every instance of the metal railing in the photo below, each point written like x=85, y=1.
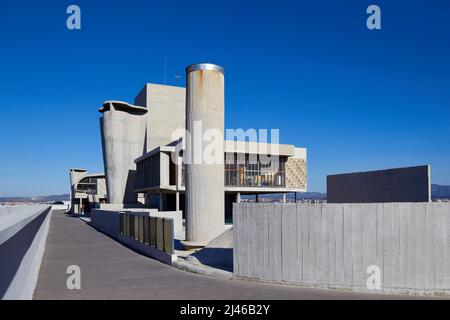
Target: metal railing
x=153, y=231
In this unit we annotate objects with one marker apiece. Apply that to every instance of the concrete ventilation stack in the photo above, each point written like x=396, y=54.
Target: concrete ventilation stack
x=204, y=181
x=75, y=176
x=123, y=136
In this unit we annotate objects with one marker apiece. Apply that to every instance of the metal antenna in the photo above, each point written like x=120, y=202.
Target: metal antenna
x=177, y=78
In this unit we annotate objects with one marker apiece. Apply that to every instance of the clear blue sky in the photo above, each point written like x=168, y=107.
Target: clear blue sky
x=357, y=99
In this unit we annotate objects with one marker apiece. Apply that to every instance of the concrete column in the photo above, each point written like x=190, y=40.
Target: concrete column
x=179, y=170
x=238, y=197
x=284, y=198
x=177, y=201
x=164, y=168
x=204, y=176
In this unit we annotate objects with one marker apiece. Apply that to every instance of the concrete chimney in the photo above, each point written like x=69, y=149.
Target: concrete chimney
x=204, y=179
x=123, y=135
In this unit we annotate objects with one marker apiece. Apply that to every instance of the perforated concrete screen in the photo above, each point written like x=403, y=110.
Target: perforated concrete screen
x=392, y=185
x=296, y=173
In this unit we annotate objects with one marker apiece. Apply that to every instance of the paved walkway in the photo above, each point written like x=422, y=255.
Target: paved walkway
x=111, y=271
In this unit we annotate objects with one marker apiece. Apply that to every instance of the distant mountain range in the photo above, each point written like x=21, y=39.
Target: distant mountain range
x=300, y=196
x=440, y=192
x=52, y=198
x=308, y=196
x=437, y=192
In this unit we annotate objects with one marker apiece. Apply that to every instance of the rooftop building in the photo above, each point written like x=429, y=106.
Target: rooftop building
x=86, y=190
x=151, y=165
x=151, y=150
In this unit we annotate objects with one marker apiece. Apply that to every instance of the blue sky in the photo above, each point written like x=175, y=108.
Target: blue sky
x=357, y=99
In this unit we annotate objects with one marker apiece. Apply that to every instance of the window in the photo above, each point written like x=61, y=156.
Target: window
x=254, y=171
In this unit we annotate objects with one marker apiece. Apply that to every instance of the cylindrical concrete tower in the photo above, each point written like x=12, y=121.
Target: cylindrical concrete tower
x=204, y=154
x=123, y=136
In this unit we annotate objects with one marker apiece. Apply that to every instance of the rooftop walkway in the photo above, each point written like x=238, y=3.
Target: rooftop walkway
x=110, y=270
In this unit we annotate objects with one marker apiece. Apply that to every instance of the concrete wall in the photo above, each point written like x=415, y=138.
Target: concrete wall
x=108, y=222
x=392, y=185
x=332, y=245
x=166, y=105
x=23, y=233
x=177, y=216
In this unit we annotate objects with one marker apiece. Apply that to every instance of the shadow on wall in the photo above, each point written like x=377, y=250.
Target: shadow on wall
x=14, y=249
x=144, y=149
x=220, y=258
x=130, y=195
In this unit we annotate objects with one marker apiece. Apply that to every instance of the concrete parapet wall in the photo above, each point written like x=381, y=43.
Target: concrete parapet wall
x=332, y=245
x=177, y=216
x=108, y=222
x=23, y=233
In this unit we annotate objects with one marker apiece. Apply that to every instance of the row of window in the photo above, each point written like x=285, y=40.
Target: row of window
x=148, y=172
x=240, y=170
x=87, y=185
x=250, y=178
x=255, y=171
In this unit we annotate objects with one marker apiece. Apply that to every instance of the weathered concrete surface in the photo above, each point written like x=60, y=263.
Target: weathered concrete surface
x=199, y=268
x=23, y=232
x=167, y=119
x=112, y=271
x=332, y=245
x=217, y=254
x=392, y=185
x=204, y=177
x=123, y=140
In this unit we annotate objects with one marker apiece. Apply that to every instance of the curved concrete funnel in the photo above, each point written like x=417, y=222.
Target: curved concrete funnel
x=123, y=131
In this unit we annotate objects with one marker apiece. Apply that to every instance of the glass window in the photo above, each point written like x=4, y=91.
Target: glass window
x=251, y=171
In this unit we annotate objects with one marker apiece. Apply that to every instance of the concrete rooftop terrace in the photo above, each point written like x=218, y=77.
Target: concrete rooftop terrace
x=110, y=270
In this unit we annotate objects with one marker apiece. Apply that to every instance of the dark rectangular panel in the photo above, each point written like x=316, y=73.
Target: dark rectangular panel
x=127, y=225
x=153, y=231
x=391, y=185
x=168, y=235
x=147, y=230
x=136, y=228
x=160, y=233
x=141, y=229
